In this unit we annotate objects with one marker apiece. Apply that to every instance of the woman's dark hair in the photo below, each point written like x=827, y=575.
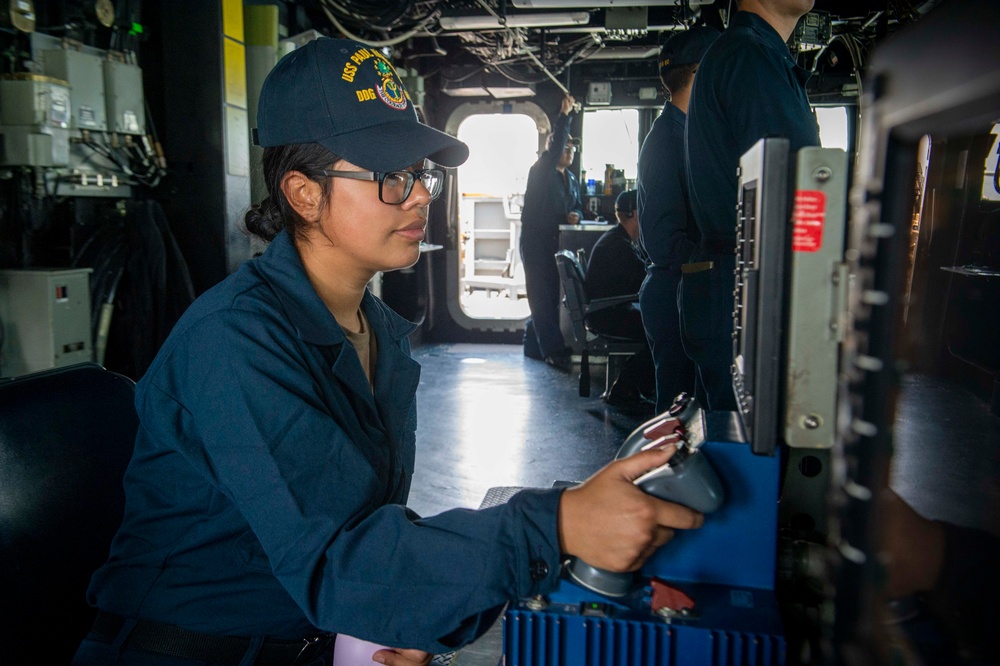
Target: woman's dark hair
x=274, y=213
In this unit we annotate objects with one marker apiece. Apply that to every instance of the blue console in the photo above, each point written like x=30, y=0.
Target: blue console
x=706, y=597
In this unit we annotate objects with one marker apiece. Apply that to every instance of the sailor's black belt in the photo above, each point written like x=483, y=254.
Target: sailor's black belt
x=697, y=267
x=175, y=641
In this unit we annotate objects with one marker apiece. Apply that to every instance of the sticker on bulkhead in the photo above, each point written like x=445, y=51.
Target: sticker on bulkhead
x=808, y=217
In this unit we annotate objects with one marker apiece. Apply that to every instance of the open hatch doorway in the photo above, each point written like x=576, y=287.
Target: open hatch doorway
x=486, y=279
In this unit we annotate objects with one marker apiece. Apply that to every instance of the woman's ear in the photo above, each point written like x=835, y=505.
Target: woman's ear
x=303, y=194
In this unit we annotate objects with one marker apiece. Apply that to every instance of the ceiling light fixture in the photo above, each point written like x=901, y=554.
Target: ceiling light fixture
x=487, y=22
x=510, y=92
x=496, y=92
x=465, y=91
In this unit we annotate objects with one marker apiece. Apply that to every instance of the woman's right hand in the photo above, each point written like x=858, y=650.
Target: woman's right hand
x=609, y=523
x=568, y=102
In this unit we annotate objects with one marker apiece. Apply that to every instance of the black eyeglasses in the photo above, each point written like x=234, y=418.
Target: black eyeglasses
x=623, y=211
x=394, y=187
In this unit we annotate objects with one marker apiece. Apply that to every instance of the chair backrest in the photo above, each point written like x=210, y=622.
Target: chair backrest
x=66, y=437
x=572, y=279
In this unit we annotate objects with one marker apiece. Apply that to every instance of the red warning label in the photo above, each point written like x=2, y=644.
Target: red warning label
x=808, y=217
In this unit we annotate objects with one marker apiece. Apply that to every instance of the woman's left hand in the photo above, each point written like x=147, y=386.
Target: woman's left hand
x=396, y=657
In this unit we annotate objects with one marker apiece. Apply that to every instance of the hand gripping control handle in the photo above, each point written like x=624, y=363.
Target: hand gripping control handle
x=687, y=478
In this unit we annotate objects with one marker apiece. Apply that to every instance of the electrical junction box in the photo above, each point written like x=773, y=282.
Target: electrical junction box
x=124, y=97
x=599, y=93
x=34, y=121
x=648, y=92
x=625, y=23
x=815, y=29
x=46, y=319
x=85, y=74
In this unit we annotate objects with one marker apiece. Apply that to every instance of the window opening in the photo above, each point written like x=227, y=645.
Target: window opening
x=610, y=152
x=832, y=126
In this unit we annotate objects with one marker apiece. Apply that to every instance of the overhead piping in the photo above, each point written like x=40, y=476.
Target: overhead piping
x=383, y=42
x=545, y=70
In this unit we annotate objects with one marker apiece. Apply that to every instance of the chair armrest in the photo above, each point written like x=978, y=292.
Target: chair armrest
x=597, y=304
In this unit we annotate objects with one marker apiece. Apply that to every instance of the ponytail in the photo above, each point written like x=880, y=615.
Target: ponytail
x=274, y=213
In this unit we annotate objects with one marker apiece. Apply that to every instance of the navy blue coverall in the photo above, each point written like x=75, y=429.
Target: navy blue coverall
x=265, y=494
x=548, y=197
x=669, y=236
x=747, y=87
x=617, y=267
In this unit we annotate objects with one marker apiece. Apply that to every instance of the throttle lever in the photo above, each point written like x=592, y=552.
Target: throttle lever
x=688, y=478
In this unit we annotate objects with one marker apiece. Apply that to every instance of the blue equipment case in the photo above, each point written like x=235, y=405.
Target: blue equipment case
x=727, y=567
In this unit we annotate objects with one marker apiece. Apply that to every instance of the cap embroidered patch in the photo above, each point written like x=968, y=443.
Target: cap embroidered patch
x=390, y=90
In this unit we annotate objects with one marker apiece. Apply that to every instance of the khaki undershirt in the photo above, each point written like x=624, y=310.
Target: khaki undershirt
x=365, y=345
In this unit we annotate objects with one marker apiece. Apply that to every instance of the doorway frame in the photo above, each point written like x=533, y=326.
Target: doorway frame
x=453, y=247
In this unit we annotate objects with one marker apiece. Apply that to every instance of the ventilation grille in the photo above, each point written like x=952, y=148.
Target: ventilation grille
x=541, y=639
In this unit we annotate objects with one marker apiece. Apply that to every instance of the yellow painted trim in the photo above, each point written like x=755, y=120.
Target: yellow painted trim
x=234, y=57
x=232, y=19
x=261, y=25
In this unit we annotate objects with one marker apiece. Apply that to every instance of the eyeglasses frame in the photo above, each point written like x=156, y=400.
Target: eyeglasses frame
x=380, y=176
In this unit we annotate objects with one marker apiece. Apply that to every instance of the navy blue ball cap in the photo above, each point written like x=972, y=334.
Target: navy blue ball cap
x=687, y=47
x=347, y=97
x=627, y=201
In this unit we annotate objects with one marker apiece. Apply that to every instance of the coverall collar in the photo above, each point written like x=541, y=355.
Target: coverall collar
x=757, y=23
x=766, y=32
x=282, y=267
